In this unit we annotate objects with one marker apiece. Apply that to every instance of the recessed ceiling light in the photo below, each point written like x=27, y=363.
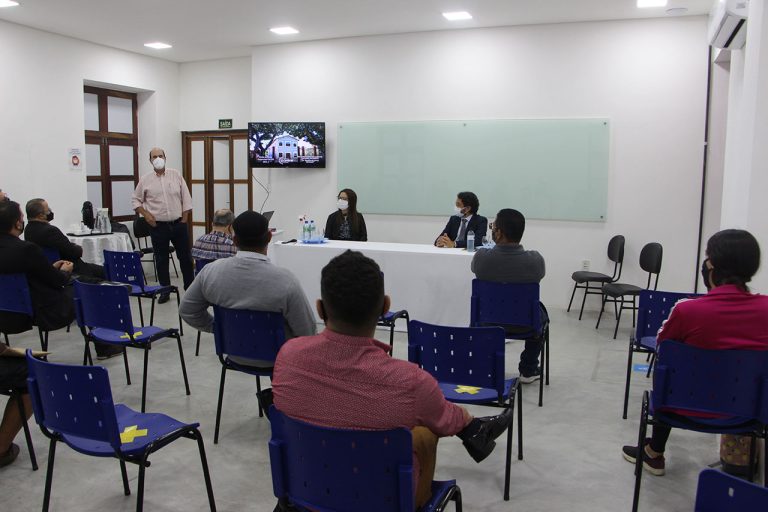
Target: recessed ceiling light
x=651, y=3
x=158, y=46
x=457, y=16
x=284, y=31
x=8, y=3
x=677, y=11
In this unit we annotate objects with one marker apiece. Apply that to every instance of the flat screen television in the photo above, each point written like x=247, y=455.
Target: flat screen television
x=286, y=144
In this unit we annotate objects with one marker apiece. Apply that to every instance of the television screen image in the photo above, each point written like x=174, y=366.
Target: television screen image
x=286, y=144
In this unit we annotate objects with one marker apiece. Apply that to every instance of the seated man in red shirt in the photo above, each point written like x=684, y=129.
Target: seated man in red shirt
x=344, y=378
x=727, y=317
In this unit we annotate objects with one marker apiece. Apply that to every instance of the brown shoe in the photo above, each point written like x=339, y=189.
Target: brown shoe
x=9, y=456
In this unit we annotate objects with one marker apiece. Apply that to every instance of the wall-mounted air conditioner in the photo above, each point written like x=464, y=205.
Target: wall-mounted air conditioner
x=728, y=24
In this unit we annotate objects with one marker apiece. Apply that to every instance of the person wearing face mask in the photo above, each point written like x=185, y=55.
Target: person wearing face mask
x=40, y=231
x=162, y=198
x=729, y=316
x=509, y=262
x=346, y=223
x=464, y=220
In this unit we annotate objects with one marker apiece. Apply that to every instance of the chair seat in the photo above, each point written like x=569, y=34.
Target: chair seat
x=140, y=334
x=156, y=426
x=149, y=291
x=583, y=277
x=390, y=316
x=648, y=343
x=439, y=490
x=244, y=365
x=733, y=425
x=465, y=394
x=146, y=250
x=620, y=289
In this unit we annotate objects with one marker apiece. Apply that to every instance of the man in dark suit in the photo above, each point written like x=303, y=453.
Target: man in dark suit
x=41, y=232
x=464, y=220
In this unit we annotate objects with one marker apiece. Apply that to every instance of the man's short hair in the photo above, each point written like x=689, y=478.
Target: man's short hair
x=511, y=223
x=251, y=230
x=352, y=289
x=35, y=208
x=469, y=199
x=223, y=218
x=10, y=214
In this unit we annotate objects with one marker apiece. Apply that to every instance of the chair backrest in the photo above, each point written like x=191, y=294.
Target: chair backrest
x=51, y=254
x=124, y=267
x=653, y=308
x=616, y=255
x=246, y=333
x=470, y=356
x=140, y=227
x=74, y=400
x=650, y=261
x=724, y=382
x=105, y=306
x=329, y=469
x=14, y=294
x=200, y=263
x=507, y=304
x=720, y=492
x=119, y=227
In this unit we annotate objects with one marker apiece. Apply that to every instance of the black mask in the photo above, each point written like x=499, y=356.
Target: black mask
x=49, y=216
x=705, y=271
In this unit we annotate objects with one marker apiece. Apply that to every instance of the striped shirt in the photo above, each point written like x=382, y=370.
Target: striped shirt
x=213, y=246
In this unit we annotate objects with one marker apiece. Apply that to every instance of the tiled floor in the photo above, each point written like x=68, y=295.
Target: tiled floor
x=572, y=444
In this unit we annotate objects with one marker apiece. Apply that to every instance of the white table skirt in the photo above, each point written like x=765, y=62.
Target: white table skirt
x=94, y=246
x=433, y=284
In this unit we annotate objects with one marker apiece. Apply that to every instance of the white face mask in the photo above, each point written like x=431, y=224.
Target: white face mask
x=458, y=211
x=342, y=204
x=158, y=163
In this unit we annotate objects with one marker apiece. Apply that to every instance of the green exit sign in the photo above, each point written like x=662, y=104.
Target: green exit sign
x=225, y=124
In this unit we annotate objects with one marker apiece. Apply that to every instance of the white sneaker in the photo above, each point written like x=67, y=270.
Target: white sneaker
x=527, y=379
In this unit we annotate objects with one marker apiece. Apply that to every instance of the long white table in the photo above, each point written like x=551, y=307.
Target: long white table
x=432, y=283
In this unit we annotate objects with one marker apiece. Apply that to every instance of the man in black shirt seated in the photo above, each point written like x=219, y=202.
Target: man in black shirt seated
x=41, y=232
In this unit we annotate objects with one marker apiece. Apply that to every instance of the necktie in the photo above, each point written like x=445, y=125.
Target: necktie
x=462, y=231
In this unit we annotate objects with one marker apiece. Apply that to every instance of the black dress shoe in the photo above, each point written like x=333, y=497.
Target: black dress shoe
x=481, y=442
x=163, y=299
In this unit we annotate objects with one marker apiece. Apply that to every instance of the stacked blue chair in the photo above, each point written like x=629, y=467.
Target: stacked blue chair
x=199, y=264
x=104, y=315
x=329, y=469
x=721, y=492
x=468, y=364
x=516, y=307
x=125, y=267
x=73, y=405
x=730, y=383
x=653, y=309
x=243, y=337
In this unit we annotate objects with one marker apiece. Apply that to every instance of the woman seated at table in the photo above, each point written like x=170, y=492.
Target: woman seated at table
x=346, y=223
x=464, y=220
x=727, y=317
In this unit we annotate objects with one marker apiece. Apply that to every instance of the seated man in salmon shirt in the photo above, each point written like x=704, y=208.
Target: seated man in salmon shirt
x=344, y=378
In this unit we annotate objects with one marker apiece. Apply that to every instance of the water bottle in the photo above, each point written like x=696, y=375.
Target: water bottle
x=470, y=241
x=305, y=231
x=312, y=230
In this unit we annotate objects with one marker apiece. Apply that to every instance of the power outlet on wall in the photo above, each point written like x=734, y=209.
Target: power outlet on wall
x=585, y=265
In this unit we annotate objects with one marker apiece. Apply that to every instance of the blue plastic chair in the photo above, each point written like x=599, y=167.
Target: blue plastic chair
x=52, y=254
x=468, y=364
x=73, y=404
x=721, y=492
x=732, y=383
x=517, y=308
x=125, y=267
x=15, y=298
x=104, y=315
x=199, y=265
x=389, y=319
x=242, y=336
x=336, y=470
x=653, y=308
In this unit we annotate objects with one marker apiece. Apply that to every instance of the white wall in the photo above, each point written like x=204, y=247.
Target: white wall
x=213, y=90
x=41, y=90
x=647, y=76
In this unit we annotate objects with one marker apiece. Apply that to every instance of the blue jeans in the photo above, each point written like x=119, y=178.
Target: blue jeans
x=162, y=235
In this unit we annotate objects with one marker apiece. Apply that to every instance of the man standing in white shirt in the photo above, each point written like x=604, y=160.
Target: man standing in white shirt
x=162, y=198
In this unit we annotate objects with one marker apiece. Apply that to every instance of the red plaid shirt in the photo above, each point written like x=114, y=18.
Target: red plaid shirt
x=342, y=381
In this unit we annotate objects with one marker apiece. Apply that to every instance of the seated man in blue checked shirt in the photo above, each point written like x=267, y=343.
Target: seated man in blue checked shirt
x=218, y=243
